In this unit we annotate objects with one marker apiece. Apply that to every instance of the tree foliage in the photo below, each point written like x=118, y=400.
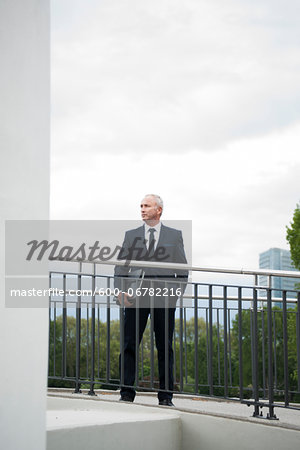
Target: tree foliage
x=185, y=340
x=293, y=237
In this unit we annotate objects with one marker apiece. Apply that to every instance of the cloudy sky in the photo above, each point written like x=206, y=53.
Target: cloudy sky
x=196, y=100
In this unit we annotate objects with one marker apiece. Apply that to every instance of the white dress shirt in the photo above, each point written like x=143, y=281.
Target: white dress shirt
x=157, y=228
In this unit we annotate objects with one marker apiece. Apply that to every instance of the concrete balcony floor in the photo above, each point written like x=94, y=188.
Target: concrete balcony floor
x=80, y=421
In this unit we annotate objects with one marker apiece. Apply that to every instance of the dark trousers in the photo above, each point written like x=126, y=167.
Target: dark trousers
x=130, y=347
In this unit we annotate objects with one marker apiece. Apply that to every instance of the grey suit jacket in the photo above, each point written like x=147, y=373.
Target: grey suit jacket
x=169, y=248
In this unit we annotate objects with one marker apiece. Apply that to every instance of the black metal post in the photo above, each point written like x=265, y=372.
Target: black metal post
x=78, y=339
x=270, y=414
x=64, y=331
x=167, y=368
x=298, y=338
x=285, y=350
x=151, y=337
x=92, y=379
x=263, y=351
x=108, y=334
x=225, y=342
x=240, y=321
x=210, y=359
x=196, y=337
x=181, y=343
x=122, y=312
x=137, y=343
x=255, y=356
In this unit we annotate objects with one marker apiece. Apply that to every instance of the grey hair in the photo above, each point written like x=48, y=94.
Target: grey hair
x=158, y=199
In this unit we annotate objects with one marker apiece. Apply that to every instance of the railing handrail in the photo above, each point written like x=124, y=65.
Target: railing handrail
x=178, y=266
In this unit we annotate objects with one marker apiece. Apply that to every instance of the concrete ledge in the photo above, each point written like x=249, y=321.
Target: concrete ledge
x=76, y=424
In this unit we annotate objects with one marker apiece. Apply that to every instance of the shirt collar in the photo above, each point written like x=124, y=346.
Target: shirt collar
x=157, y=227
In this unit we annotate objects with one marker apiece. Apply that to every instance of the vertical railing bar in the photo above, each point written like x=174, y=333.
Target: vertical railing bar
x=64, y=329
x=252, y=345
x=108, y=333
x=49, y=330
x=137, y=339
x=87, y=338
x=298, y=338
x=211, y=383
x=207, y=345
x=229, y=345
x=92, y=379
x=263, y=351
x=225, y=343
x=285, y=350
x=98, y=341
x=151, y=337
x=122, y=312
x=54, y=333
x=270, y=414
x=181, y=343
x=240, y=324
x=174, y=353
x=196, y=337
x=218, y=342
x=78, y=335
x=185, y=348
x=275, y=351
x=167, y=368
x=255, y=356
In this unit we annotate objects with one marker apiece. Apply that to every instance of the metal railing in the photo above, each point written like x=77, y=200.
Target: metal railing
x=229, y=339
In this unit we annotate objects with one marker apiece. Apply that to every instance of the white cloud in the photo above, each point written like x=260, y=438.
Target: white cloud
x=197, y=100
x=240, y=200
x=172, y=75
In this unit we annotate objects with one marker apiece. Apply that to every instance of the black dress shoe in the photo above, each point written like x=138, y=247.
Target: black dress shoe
x=125, y=398
x=166, y=402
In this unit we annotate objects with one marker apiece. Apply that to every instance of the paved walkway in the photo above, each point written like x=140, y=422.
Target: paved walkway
x=288, y=418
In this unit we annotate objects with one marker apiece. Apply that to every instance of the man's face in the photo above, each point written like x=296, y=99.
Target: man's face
x=149, y=209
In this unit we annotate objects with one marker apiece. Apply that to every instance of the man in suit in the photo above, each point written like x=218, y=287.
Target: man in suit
x=151, y=242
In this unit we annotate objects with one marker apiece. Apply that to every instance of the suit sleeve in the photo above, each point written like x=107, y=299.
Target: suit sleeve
x=182, y=275
x=122, y=271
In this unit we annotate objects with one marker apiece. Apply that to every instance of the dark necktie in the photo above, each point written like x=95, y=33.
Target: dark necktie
x=151, y=242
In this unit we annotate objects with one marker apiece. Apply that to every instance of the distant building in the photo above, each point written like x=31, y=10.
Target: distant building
x=278, y=259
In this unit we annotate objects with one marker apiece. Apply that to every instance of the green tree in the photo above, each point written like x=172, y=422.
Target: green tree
x=293, y=237
x=262, y=337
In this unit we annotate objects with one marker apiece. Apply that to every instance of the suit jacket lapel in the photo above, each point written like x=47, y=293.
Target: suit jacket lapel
x=162, y=236
x=142, y=236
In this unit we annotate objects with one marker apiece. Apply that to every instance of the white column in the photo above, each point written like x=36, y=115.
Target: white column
x=24, y=194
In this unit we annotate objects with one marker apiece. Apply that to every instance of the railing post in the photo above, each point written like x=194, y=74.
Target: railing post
x=92, y=381
x=210, y=358
x=64, y=330
x=270, y=414
x=263, y=351
x=122, y=312
x=181, y=342
x=285, y=350
x=225, y=342
x=254, y=339
x=240, y=321
x=78, y=339
x=196, y=337
x=49, y=331
x=137, y=339
x=108, y=333
x=167, y=350
x=298, y=338
x=151, y=337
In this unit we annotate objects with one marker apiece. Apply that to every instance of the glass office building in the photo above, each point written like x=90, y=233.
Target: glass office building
x=278, y=259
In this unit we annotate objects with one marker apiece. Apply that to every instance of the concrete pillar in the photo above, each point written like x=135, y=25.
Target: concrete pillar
x=24, y=194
